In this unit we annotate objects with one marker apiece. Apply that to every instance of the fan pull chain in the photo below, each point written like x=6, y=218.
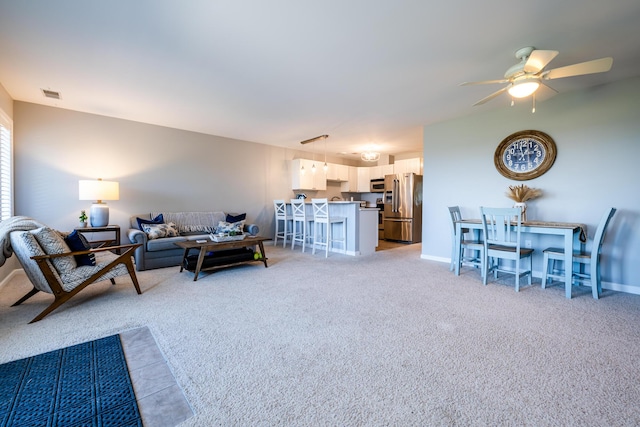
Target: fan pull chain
x=533, y=110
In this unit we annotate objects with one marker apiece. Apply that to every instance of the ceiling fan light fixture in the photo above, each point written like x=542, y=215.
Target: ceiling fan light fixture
x=524, y=88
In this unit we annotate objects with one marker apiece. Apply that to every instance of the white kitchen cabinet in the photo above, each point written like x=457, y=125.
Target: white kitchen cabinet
x=387, y=170
x=364, y=180
x=375, y=172
x=332, y=172
x=343, y=173
x=306, y=179
x=378, y=172
x=351, y=184
x=337, y=172
x=408, y=166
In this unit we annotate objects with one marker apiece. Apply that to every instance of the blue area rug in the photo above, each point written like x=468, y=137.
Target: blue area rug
x=82, y=385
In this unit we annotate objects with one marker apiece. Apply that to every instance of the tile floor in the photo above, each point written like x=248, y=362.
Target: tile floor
x=160, y=398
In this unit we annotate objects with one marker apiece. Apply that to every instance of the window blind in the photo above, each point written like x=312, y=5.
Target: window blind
x=6, y=167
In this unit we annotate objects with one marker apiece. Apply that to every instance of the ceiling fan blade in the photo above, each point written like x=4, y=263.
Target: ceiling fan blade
x=538, y=60
x=484, y=82
x=590, y=67
x=490, y=97
x=545, y=92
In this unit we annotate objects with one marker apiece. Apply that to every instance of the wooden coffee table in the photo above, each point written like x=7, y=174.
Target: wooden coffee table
x=210, y=246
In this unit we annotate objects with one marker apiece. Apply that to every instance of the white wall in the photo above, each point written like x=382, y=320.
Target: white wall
x=158, y=168
x=596, y=133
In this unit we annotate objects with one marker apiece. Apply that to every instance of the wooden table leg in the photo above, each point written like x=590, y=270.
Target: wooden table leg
x=199, y=263
x=264, y=255
x=186, y=251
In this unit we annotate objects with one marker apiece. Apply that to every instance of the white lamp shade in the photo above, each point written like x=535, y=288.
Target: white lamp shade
x=98, y=190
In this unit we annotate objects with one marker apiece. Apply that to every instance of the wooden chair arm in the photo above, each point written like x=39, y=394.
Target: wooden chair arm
x=130, y=247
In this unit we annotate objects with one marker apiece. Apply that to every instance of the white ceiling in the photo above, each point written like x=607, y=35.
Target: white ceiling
x=281, y=71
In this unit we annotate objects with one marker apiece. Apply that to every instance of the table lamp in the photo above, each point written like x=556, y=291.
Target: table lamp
x=98, y=190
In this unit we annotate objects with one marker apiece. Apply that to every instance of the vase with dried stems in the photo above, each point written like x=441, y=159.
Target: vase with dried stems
x=520, y=194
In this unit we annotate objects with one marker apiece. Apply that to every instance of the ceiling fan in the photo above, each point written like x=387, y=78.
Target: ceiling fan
x=526, y=77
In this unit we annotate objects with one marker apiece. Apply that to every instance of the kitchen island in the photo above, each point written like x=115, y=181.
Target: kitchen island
x=361, y=224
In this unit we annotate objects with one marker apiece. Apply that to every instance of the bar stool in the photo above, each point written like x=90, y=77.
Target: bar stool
x=301, y=224
x=287, y=221
x=322, y=220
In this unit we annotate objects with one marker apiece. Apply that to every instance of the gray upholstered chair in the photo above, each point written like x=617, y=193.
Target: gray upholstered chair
x=52, y=267
x=590, y=258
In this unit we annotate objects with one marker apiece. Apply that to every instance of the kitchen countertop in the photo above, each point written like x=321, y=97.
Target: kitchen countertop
x=346, y=202
x=335, y=202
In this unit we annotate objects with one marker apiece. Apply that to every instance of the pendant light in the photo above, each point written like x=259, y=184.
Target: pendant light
x=325, y=167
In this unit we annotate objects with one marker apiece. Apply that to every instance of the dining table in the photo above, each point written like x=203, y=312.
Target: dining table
x=574, y=238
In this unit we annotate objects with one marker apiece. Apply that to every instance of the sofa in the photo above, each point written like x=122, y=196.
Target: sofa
x=158, y=233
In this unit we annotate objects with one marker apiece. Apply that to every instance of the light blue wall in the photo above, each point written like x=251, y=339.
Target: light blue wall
x=597, y=136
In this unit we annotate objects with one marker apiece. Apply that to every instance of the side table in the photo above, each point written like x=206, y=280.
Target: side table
x=115, y=229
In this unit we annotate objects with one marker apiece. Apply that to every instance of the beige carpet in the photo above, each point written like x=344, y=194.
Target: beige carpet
x=383, y=340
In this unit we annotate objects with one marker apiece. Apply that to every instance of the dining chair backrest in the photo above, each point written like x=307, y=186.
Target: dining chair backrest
x=598, y=238
x=498, y=226
x=454, y=212
x=320, y=209
x=280, y=208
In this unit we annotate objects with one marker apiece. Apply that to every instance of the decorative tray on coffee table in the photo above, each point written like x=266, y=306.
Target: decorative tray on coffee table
x=226, y=237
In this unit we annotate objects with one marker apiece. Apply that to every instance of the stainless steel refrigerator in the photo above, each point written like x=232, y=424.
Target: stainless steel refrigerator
x=403, y=207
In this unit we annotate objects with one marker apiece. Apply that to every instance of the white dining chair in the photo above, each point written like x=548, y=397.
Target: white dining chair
x=302, y=224
x=323, y=227
x=470, y=251
x=502, y=229
x=580, y=260
x=284, y=218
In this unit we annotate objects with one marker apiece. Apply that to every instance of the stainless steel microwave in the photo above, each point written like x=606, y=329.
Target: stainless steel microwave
x=377, y=185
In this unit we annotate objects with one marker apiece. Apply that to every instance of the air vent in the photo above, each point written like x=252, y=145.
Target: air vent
x=51, y=94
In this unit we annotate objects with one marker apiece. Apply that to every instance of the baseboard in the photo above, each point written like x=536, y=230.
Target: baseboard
x=435, y=258
x=11, y=275
x=618, y=287
x=621, y=288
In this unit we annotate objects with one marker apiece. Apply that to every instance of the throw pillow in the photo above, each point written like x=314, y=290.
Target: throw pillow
x=32, y=244
x=53, y=243
x=157, y=220
x=158, y=231
x=77, y=242
x=236, y=218
x=227, y=227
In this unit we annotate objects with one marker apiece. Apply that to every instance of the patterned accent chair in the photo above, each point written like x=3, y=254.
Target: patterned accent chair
x=52, y=267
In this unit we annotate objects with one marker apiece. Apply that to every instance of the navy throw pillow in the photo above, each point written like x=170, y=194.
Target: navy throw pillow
x=236, y=218
x=157, y=220
x=77, y=242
